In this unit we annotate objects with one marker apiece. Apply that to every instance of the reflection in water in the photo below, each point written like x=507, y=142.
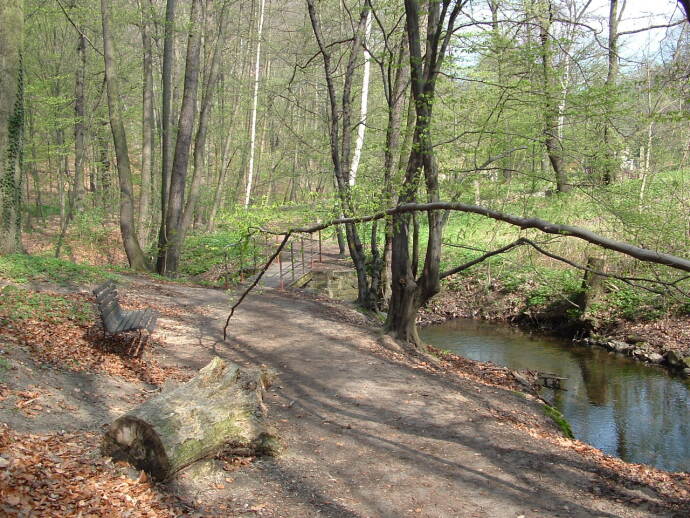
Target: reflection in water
x=622, y=407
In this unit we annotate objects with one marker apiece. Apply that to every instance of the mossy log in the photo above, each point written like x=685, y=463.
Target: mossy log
x=221, y=409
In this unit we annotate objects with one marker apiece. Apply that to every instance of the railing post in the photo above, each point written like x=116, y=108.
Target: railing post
x=241, y=266
x=302, y=246
x=280, y=271
x=292, y=260
x=225, y=260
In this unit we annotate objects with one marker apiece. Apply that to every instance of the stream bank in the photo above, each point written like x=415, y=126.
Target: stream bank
x=623, y=407
x=664, y=341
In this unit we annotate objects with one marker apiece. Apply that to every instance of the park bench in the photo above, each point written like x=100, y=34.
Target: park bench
x=115, y=319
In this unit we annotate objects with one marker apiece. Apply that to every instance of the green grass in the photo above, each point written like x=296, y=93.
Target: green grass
x=20, y=268
x=560, y=421
x=17, y=304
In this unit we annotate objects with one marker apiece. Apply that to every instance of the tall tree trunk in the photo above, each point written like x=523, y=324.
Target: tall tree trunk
x=340, y=140
x=255, y=101
x=166, y=125
x=11, y=124
x=362, y=125
x=76, y=193
x=79, y=125
x=391, y=160
x=135, y=255
x=178, y=175
x=147, y=125
x=410, y=292
x=554, y=147
x=202, y=129
x=611, y=165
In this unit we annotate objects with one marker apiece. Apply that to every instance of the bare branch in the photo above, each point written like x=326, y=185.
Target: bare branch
x=643, y=254
x=254, y=283
x=663, y=26
x=482, y=258
x=69, y=19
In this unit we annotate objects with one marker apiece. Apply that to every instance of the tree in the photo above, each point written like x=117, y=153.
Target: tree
x=255, y=101
x=611, y=162
x=135, y=255
x=11, y=124
x=171, y=246
x=409, y=291
x=340, y=140
x=554, y=146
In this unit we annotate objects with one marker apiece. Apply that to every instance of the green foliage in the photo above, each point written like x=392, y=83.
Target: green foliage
x=18, y=304
x=633, y=304
x=37, y=211
x=25, y=268
x=88, y=225
x=560, y=420
x=552, y=285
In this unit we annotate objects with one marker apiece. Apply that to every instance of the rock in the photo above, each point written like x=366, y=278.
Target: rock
x=220, y=409
x=654, y=358
x=686, y=372
x=619, y=347
x=674, y=359
x=4, y=462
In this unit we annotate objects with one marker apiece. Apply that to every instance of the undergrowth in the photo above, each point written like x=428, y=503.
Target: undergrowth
x=21, y=268
x=560, y=421
x=17, y=304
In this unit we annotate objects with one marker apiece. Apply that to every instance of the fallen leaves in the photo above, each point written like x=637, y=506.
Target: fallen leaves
x=673, y=487
x=48, y=475
x=79, y=347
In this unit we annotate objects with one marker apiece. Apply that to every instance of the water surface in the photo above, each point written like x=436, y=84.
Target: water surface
x=637, y=412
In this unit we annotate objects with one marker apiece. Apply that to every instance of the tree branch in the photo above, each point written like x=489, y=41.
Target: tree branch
x=636, y=252
x=664, y=26
x=69, y=19
x=457, y=269
x=643, y=254
x=254, y=283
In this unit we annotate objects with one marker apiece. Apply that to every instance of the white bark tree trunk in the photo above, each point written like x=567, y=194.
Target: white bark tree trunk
x=252, y=133
x=362, y=126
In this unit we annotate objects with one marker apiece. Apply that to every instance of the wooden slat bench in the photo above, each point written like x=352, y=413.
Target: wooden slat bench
x=115, y=319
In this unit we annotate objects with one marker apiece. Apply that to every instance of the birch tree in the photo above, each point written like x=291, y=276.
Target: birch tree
x=362, y=124
x=255, y=102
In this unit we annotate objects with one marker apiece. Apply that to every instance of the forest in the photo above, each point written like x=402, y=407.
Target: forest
x=520, y=161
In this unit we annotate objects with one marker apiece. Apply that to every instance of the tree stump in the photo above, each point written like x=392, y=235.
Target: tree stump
x=592, y=287
x=221, y=409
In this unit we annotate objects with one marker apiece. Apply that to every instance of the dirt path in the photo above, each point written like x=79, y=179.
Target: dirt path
x=371, y=433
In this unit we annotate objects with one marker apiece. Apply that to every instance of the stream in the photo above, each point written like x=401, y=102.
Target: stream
x=637, y=412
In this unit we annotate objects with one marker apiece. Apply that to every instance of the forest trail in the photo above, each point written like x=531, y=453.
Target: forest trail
x=372, y=433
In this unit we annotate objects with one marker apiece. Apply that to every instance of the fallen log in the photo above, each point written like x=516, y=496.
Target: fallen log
x=221, y=409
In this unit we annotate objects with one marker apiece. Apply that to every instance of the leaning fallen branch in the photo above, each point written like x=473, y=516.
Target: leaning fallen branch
x=631, y=281
x=643, y=254
x=255, y=282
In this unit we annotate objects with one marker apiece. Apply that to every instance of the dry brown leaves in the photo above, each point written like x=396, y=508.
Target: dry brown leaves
x=672, y=333
x=673, y=487
x=28, y=401
x=483, y=372
x=50, y=475
x=84, y=349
